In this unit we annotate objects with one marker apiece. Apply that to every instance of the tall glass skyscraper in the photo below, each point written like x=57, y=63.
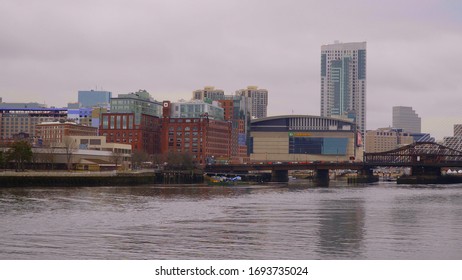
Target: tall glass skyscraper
x=343, y=81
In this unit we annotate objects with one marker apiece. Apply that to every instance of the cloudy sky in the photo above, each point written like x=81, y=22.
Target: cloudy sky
x=50, y=49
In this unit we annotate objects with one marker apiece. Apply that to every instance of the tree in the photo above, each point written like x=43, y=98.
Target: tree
x=70, y=146
x=180, y=161
x=117, y=157
x=139, y=157
x=2, y=159
x=48, y=155
x=20, y=152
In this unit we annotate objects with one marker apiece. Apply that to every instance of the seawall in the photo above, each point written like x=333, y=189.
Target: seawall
x=429, y=180
x=78, y=179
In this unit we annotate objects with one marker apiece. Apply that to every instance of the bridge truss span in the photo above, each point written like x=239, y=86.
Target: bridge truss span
x=415, y=154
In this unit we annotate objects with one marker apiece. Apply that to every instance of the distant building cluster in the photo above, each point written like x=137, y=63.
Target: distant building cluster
x=406, y=130
x=210, y=127
x=104, y=131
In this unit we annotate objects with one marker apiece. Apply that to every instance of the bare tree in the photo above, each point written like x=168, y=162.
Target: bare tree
x=48, y=155
x=180, y=161
x=117, y=157
x=2, y=159
x=139, y=157
x=70, y=146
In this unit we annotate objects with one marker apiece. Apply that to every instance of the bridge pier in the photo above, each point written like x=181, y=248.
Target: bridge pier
x=365, y=175
x=280, y=176
x=367, y=172
x=426, y=171
x=322, y=175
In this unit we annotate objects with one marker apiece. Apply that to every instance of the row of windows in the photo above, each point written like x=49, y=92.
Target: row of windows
x=318, y=146
x=118, y=122
x=186, y=134
x=181, y=128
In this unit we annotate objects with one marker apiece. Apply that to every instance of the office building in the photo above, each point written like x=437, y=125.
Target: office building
x=53, y=133
x=387, y=139
x=458, y=130
x=124, y=128
x=133, y=119
x=208, y=93
x=406, y=119
x=343, y=82
x=23, y=121
x=196, y=109
x=139, y=102
x=198, y=135
x=236, y=109
x=258, y=100
x=454, y=142
x=94, y=98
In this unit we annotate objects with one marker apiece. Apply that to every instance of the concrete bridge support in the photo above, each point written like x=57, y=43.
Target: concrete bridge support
x=365, y=175
x=280, y=176
x=426, y=171
x=367, y=172
x=322, y=175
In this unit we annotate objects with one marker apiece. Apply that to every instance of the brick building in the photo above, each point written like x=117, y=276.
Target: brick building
x=202, y=137
x=54, y=132
x=22, y=119
x=134, y=119
x=123, y=128
x=238, y=147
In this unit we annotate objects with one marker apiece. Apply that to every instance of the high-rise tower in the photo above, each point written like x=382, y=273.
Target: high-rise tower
x=343, y=81
x=258, y=100
x=407, y=119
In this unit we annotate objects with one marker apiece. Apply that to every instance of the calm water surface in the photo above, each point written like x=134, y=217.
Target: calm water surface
x=281, y=221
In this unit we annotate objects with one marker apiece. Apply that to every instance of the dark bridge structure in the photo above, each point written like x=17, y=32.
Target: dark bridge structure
x=424, y=159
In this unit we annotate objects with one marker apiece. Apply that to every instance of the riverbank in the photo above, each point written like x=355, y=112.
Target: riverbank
x=74, y=179
x=446, y=179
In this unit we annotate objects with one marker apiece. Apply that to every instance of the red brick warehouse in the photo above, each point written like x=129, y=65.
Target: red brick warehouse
x=202, y=137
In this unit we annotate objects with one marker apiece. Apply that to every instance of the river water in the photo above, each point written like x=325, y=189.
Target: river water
x=297, y=220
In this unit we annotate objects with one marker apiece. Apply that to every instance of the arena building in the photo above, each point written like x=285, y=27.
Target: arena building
x=304, y=138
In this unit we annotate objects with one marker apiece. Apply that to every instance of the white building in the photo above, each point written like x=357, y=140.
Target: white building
x=91, y=153
x=343, y=81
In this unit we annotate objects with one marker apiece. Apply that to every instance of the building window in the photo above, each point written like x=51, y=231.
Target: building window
x=105, y=122
x=124, y=122
x=118, y=122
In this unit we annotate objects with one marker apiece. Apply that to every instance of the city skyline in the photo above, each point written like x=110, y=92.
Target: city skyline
x=52, y=49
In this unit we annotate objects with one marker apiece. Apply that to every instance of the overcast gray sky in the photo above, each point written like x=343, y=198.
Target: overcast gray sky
x=50, y=49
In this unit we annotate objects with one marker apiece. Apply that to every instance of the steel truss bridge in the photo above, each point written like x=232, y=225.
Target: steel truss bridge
x=424, y=158
x=424, y=153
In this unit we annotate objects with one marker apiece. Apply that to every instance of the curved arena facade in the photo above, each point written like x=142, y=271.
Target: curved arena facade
x=304, y=138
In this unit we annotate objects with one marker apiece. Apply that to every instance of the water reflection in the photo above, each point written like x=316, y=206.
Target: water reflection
x=294, y=221
x=341, y=229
